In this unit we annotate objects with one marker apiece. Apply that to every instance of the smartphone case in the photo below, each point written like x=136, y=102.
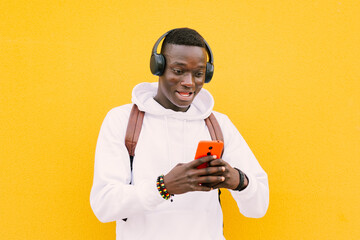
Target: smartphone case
x=207, y=148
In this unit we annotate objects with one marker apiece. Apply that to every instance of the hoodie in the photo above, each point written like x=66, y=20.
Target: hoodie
x=167, y=138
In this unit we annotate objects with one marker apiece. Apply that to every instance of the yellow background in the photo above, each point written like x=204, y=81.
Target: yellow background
x=286, y=72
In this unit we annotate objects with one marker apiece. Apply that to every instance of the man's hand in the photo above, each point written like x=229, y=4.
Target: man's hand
x=186, y=177
x=232, y=178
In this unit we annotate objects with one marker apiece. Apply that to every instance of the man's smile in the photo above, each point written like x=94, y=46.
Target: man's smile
x=184, y=96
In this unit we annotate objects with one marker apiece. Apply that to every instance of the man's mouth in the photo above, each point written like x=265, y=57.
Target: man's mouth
x=185, y=96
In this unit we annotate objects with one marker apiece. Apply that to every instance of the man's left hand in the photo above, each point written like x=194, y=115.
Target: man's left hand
x=232, y=178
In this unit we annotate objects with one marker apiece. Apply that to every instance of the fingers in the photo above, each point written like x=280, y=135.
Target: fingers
x=207, y=183
x=202, y=188
x=189, y=178
x=211, y=170
x=211, y=180
x=199, y=161
x=218, y=185
x=217, y=162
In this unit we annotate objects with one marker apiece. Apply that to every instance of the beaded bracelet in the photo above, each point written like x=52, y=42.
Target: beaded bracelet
x=161, y=187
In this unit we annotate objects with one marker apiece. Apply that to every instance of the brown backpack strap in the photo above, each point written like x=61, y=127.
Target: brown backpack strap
x=214, y=128
x=216, y=134
x=133, y=129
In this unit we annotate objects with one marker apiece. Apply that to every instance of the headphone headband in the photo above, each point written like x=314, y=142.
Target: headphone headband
x=157, y=61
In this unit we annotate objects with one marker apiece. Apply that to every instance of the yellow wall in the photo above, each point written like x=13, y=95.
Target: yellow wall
x=286, y=72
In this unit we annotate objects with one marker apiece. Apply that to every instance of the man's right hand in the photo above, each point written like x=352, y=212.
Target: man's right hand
x=186, y=177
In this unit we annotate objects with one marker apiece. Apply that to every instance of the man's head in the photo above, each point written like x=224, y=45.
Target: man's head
x=184, y=75
x=183, y=36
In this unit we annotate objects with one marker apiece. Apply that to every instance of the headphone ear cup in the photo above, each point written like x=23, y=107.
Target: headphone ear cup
x=209, y=72
x=157, y=64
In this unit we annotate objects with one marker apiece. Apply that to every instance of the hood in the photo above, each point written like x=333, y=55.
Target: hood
x=143, y=96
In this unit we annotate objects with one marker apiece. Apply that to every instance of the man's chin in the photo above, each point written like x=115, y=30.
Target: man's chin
x=182, y=106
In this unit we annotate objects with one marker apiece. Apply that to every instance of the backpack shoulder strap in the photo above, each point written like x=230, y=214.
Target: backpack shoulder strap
x=132, y=133
x=133, y=129
x=214, y=128
x=216, y=134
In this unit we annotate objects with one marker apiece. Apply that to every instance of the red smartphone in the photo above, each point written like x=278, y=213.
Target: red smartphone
x=207, y=148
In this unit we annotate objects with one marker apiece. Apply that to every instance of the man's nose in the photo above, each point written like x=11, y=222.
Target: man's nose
x=187, y=80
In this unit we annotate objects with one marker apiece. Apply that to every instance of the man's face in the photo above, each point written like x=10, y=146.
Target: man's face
x=183, y=77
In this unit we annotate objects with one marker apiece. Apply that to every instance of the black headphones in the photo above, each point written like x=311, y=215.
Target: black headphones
x=157, y=61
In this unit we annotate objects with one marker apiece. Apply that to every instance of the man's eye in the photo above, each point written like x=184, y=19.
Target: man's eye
x=199, y=74
x=177, y=71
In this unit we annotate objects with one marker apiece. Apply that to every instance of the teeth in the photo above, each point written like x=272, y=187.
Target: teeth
x=185, y=94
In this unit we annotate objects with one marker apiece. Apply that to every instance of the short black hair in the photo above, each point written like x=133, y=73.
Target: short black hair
x=183, y=36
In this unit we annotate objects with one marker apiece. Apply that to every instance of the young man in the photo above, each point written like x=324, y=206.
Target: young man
x=175, y=109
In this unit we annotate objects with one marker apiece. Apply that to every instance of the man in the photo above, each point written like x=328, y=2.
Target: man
x=173, y=124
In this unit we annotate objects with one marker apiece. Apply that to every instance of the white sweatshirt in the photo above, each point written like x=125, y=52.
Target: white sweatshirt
x=166, y=139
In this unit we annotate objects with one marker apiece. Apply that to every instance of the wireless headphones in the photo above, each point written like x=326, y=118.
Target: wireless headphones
x=157, y=61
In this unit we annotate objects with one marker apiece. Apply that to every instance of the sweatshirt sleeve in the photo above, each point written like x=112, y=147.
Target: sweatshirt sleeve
x=253, y=201
x=111, y=197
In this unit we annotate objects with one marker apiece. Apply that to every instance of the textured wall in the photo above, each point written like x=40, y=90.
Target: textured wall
x=286, y=72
